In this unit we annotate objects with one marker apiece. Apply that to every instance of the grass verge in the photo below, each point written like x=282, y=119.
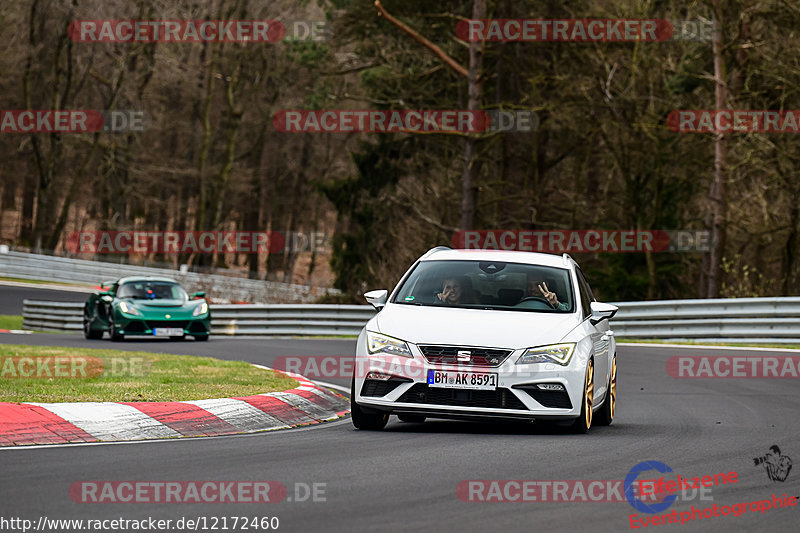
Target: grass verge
x=10, y=321
x=88, y=375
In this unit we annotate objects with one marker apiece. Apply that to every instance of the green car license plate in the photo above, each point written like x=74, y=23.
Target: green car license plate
x=167, y=332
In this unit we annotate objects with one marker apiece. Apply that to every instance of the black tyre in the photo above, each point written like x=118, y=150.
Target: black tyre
x=201, y=337
x=417, y=419
x=88, y=331
x=605, y=416
x=362, y=420
x=584, y=422
x=112, y=332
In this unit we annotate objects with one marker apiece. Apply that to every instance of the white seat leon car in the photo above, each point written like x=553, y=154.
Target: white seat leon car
x=485, y=334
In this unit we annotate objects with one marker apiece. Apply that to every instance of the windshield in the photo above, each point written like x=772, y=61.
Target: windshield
x=488, y=285
x=152, y=290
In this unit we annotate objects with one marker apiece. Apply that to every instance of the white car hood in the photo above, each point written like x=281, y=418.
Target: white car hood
x=474, y=327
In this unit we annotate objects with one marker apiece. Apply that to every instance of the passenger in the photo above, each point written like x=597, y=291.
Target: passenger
x=456, y=290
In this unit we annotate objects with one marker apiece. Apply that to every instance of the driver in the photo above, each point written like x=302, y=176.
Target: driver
x=538, y=287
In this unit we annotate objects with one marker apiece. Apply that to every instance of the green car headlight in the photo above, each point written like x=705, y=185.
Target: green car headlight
x=559, y=354
x=377, y=343
x=200, y=309
x=128, y=309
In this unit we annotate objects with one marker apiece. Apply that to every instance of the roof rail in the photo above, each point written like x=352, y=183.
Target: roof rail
x=436, y=249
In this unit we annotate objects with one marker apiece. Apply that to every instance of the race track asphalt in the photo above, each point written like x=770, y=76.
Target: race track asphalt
x=11, y=297
x=405, y=477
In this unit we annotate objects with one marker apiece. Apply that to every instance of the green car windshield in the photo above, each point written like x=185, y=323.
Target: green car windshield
x=492, y=285
x=152, y=290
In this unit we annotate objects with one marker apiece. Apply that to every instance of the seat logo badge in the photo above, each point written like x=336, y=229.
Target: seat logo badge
x=463, y=355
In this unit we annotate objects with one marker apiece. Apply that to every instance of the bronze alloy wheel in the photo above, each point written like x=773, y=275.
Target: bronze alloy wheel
x=584, y=421
x=589, y=394
x=605, y=415
x=613, y=389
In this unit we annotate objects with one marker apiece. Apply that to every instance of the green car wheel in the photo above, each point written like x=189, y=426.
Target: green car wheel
x=88, y=331
x=113, y=333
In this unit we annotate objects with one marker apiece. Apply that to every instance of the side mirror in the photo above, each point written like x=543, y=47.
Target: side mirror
x=601, y=311
x=107, y=284
x=377, y=298
x=200, y=294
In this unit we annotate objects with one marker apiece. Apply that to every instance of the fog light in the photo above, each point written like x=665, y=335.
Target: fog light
x=550, y=386
x=380, y=376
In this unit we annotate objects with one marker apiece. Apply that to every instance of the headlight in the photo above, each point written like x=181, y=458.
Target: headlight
x=377, y=343
x=559, y=354
x=200, y=309
x=128, y=309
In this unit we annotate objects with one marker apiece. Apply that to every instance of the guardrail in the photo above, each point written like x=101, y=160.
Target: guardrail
x=289, y=319
x=754, y=320
x=226, y=319
x=52, y=316
x=217, y=288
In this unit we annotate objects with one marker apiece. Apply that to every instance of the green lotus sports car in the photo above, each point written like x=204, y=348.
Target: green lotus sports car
x=156, y=307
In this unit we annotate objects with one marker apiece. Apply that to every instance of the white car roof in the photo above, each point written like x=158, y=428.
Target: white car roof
x=507, y=256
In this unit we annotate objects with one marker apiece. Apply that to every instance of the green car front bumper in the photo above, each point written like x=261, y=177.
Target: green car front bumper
x=133, y=325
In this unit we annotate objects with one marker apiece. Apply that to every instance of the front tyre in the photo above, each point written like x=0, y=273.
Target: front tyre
x=606, y=413
x=88, y=331
x=362, y=420
x=584, y=422
x=113, y=333
x=201, y=337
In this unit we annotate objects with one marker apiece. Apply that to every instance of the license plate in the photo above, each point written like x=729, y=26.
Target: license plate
x=449, y=379
x=168, y=332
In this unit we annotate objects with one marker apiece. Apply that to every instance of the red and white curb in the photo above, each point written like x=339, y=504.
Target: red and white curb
x=61, y=423
x=16, y=331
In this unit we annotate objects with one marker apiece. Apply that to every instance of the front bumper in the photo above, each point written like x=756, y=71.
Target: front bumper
x=127, y=325
x=517, y=395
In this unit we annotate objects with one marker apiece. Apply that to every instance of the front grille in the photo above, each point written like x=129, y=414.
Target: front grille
x=197, y=327
x=495, y=399
x=377, y=387
x=135, y=326
x=167, y=324
x=448, y=355
x=549, y=398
